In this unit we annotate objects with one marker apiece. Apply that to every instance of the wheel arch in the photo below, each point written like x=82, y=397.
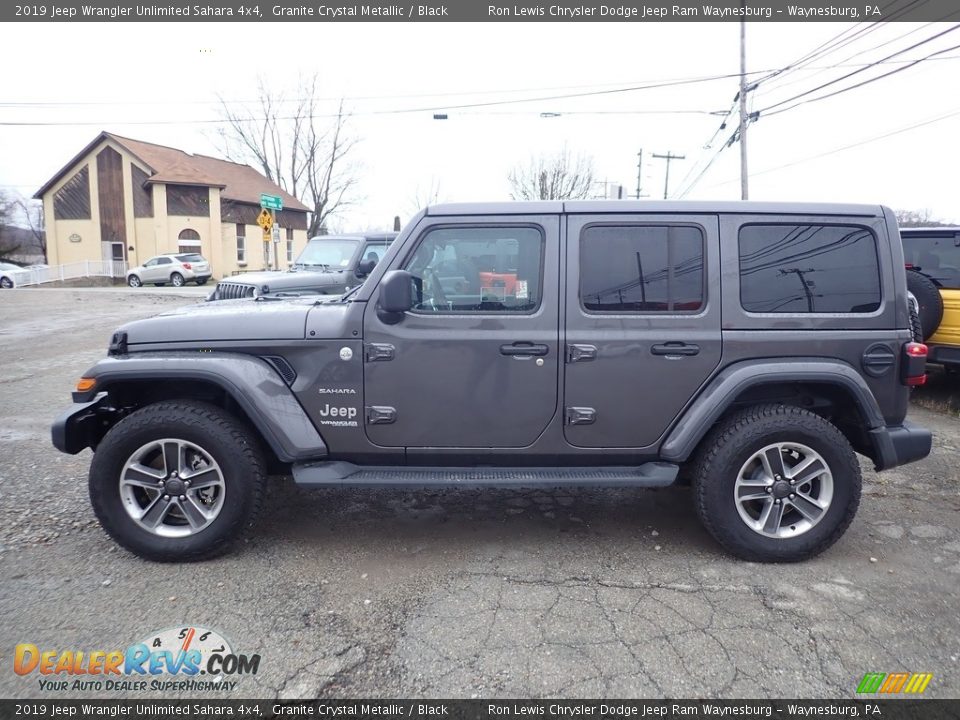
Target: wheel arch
x=831, y=389
x=241, y=384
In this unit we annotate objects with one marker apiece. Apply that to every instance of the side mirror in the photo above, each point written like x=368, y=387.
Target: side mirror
x=365, y=267
x=396, y=295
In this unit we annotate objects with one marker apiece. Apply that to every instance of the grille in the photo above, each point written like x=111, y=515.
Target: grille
x=233, y=291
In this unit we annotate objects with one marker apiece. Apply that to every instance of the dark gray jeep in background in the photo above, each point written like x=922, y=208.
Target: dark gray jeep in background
x=751, y=349
x=328, y=265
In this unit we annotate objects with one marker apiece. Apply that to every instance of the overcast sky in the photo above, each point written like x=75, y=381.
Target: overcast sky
x=160, y=82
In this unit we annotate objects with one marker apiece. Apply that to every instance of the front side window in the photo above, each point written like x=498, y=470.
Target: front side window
x=375, y=251
x=478, y=269
x=808, y=268
x=641, y=268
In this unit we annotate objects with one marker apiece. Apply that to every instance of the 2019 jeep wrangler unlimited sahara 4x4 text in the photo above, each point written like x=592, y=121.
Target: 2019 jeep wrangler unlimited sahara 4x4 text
x=758, y=346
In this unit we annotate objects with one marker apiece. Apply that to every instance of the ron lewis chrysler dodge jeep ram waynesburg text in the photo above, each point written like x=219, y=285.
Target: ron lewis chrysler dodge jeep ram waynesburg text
x=755, y=346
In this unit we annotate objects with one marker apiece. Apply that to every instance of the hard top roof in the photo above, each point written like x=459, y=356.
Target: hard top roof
x=692, y=207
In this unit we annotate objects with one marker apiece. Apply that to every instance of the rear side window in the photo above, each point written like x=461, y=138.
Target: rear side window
x=808, y=269
x=936, y=256
x=641, y=268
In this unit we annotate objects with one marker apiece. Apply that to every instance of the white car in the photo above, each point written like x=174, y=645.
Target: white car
x=175, y=268
x=9, y=274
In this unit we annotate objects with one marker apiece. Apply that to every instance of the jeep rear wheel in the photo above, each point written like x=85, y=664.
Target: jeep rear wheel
x=776, y=483
x=177, y=481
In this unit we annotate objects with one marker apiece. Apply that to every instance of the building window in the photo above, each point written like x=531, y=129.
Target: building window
x=189, y=241
x=641, y=268
x=72, y=201
x=808, y=269
x=188, y=201
x=241, y=243
x=289, y=246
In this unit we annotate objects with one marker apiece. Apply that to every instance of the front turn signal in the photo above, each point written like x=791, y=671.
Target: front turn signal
x=84, y=384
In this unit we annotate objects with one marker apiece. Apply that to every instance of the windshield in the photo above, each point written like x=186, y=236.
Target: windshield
x=332, y=254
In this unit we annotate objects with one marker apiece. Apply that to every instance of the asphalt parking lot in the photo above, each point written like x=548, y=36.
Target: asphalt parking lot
x=467, y=593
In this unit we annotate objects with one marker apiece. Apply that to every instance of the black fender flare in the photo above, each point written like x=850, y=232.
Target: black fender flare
x=730, y=382
x=252, y=383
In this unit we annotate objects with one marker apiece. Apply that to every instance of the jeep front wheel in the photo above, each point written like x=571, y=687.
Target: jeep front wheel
x=177, y=481
x=776, y=483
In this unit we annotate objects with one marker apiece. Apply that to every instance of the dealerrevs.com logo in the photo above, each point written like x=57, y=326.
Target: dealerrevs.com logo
x=178, y=659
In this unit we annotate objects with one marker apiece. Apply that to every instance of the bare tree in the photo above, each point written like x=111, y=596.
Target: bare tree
x=916, y=218
x=31, y=216
x=562, y=176
x=296, y=147
x=9, y=244
x=424, y=196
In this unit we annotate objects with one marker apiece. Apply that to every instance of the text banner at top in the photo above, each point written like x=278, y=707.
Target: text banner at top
x=479, y=11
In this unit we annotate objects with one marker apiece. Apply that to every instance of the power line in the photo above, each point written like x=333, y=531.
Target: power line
x=843, y=148
x=863, y=69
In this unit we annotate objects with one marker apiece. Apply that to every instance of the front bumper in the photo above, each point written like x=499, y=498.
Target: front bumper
x=80, y=426
x=900, y=444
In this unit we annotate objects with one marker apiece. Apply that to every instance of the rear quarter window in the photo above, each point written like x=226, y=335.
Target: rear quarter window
x=808, y=268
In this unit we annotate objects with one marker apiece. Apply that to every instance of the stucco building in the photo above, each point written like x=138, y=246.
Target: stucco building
x=123, y=199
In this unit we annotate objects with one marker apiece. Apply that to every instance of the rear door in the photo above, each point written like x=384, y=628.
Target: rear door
x=642, y=324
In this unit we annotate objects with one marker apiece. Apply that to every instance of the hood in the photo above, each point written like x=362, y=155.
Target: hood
x=233, y=320
x=275, y=280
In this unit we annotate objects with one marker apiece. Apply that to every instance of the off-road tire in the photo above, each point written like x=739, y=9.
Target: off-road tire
x=929, y=299
x=134, y=281
x=233, y=446
x=728, y=446
x=176, y=279
x=916, y=329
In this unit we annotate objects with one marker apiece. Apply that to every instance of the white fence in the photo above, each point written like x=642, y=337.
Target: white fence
x=69, y=271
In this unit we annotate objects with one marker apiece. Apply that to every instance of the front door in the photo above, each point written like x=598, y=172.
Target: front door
x=475, y=362
x=642, y=324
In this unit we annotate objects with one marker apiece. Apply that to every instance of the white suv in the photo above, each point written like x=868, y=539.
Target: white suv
x=174, y=268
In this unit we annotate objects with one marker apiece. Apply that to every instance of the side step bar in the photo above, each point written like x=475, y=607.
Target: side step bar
x=344, y=474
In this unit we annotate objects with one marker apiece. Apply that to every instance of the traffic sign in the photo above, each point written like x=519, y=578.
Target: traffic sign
x=266, y=235
x=265, y=220
x=271, y=202
x=276, y=233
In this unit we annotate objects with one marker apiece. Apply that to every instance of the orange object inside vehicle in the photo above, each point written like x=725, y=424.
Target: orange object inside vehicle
x=508, y=281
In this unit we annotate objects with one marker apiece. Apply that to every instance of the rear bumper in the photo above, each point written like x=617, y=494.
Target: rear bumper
x=78, y=427
x=943, y=354
x=900, y=444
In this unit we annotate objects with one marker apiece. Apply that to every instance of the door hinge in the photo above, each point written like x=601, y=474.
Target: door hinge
x=380, y=415
x=581, y=416
x=581, y=353
x=378, y=352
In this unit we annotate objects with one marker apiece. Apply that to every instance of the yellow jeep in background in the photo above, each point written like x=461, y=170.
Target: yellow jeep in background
x=932, y=256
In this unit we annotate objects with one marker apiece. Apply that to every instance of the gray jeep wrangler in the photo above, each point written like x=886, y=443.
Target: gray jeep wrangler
x=756, y=347
x=328, y=265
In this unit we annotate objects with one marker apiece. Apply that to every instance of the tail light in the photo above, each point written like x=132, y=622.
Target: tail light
x=187, y=266
x=914, y=365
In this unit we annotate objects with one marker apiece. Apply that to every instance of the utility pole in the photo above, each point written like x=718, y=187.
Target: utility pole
x=666, y=180
x=744, y=119
x=639, y=170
